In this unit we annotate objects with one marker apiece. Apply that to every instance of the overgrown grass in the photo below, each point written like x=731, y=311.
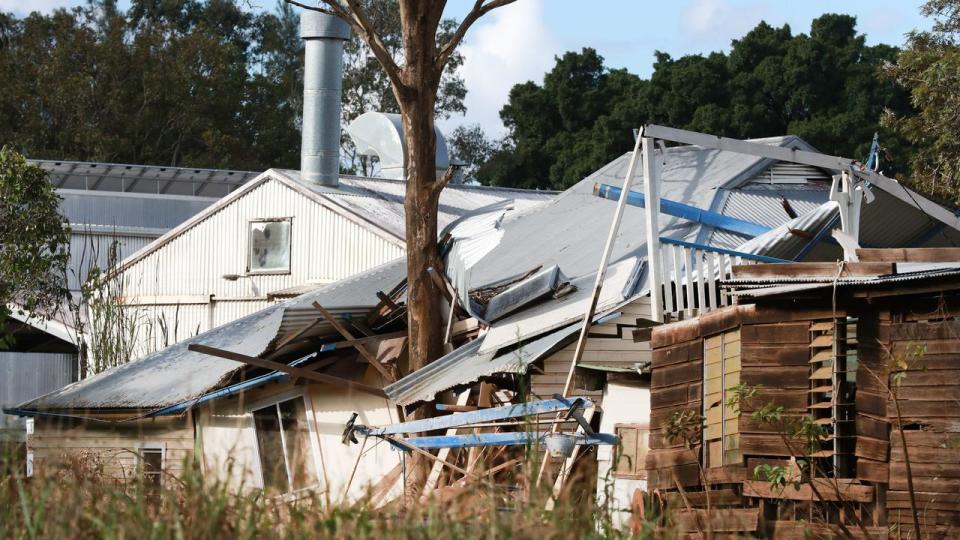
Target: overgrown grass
x=77, y=501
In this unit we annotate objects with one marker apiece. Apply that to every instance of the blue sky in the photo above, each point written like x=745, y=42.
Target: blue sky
x=519, y=42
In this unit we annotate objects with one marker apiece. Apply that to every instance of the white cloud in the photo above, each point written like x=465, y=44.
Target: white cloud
x=25, y=7
x=511, y=45
x=713, y=23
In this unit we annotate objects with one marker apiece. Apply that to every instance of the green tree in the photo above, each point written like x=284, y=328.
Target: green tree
x=470, y=145
x=34, y=242
x=822, y=87
x=929, y=69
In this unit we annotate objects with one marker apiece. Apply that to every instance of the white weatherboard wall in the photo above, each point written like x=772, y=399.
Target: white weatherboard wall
x=180, y=290
x=623, y=403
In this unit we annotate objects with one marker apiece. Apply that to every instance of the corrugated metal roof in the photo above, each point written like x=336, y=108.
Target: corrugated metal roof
x=176, y=374
x=380, y=200
x=763, y=204
x=784, y=284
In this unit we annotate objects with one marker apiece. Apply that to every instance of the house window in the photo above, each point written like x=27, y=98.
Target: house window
x=269, y=246
x=150, y=464
x=283, y=439
x=632, y=451
x=721, y=373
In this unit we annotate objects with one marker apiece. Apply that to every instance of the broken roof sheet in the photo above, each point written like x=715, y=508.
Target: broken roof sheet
x=468, y=364
x=789, y=239
x=176, y=374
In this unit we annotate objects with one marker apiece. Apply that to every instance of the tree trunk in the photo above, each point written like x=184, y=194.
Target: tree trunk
x=417, y=98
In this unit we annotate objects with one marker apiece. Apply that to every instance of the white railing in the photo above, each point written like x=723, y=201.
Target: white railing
x=692, y=274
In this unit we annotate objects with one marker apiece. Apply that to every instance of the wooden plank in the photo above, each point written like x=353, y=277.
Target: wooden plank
x=827, y=488
x=873, y=471
x=775, y=334
x=284, y=368
x=698, y=499
x=360, y=347
x=721, y=520
x=941, y=254
x=443, y=454
x=781, y=355
x=813, y=269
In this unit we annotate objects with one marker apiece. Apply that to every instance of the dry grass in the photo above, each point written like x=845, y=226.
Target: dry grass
x=75, y=501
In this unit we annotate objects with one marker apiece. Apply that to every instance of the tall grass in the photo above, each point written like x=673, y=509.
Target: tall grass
x=76, y=500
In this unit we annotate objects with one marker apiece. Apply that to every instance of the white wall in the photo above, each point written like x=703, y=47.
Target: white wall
x=229, y=442
x=182, y=281
x=623, y=403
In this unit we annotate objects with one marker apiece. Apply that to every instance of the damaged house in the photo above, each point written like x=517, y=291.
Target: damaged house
x=268, y=401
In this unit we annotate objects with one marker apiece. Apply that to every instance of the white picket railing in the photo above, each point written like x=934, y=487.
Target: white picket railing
x=692, y=274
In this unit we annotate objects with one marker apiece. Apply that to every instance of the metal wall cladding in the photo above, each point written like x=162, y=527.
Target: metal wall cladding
x=129, y=209
x=24, y=376
x=325, y=246
x=90, y=250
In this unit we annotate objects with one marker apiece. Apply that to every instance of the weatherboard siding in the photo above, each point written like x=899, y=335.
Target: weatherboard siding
x=108, y=447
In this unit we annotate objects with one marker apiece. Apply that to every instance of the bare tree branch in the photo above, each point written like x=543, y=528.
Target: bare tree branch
x=479, y=10
x=358, y=20
x=444, y=180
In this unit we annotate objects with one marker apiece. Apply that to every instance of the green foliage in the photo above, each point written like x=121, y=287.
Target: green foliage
x=684, y=426
x=822, y=86
x=470, y=145
x=34, y=241
x=190, y=83
x=929, y=69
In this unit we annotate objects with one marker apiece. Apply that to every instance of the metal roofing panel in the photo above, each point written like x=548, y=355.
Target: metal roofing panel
x=122, y=177
x=763, y=204
x=783, y=241
x=467, y=364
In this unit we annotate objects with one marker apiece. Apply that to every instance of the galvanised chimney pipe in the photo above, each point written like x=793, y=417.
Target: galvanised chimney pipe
x=323, y=37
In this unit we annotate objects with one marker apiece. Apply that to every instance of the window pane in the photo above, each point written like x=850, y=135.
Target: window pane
x=269, y=246
x=296, y=435
x=269, y=441
x=151, y=466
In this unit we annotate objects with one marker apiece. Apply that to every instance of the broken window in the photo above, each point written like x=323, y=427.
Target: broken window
x=721, y=373
x=283, y=439
x=269, y=246
x=150, y=462
x=632, y=451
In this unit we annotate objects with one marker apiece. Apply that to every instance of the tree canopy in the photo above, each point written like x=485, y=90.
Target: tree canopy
x=929, y=68
x=822, y=86
x=34, y=242
x=201, y=83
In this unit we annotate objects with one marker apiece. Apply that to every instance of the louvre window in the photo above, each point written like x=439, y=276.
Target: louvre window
x=283, y=439
x=721, y=434
x=150, y=461
x=269, y=246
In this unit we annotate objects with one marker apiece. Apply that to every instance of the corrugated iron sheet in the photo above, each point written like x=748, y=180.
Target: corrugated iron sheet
x=783, y=241
x=25, y=376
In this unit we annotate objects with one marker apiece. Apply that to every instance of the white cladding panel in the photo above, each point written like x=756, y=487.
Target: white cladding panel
x=324, y=246
x=90, y=249
x=179, y=289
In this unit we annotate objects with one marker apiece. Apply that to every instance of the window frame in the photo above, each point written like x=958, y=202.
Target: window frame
x=248, y=252
x=151, y=446
x=639, y=469
x=724, y=409
x=315, y=452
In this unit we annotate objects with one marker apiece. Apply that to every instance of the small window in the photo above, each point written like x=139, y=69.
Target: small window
x=269, y=246
x=632, y=451
x=150, y=461
x=283, y=439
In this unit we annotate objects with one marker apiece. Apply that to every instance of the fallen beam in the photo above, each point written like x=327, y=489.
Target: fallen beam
x=685, y=211
x=289, y=370
x=476, y=440
x=359, y=346
x=477, y=417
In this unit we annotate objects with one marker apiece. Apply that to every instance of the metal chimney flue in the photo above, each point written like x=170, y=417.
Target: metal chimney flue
x=323, y=37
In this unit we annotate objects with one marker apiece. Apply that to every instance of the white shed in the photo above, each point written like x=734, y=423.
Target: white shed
x=275, y=237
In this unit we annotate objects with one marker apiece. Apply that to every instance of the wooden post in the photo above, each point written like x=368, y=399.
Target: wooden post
x=651, y=193
x=443, y=454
